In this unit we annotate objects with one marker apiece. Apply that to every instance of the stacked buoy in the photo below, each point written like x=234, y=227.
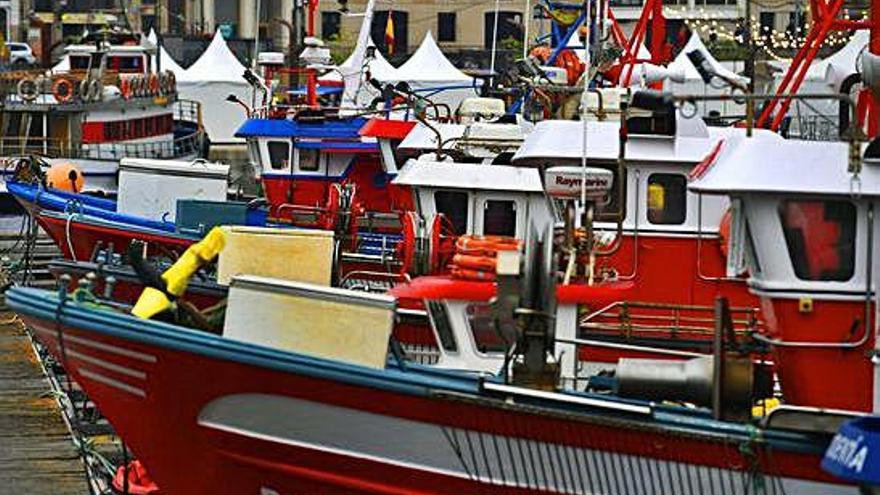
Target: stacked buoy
x=147, y=85
x=476, y=257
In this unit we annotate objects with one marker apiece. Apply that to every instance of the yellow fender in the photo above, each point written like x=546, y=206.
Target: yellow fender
x=153, y=301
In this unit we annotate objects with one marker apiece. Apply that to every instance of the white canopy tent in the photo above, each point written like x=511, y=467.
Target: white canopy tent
x=166, y=61
x=429, y=72
x=693, y=83
x=682, y=62
x=378, y=66
x=215, y=75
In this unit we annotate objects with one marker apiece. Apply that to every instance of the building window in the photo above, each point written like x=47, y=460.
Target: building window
x=279, y=154
x=330, y=22
x=667, y=199
x=768, y=24
x=625, y=3
x=821, y=238
x=446, y=26
x=401, y=31
x=454, y=205
x=510, y=27
x=499, y=218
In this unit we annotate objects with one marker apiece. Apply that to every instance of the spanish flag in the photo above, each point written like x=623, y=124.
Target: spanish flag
x=389, y=33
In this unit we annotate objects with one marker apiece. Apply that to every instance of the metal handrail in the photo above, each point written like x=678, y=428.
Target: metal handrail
x=681, y=319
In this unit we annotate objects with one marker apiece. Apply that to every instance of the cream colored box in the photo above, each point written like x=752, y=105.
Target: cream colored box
x=287, y=254
x=325, y=322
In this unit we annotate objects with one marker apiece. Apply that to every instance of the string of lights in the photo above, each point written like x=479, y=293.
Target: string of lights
x=765, y=38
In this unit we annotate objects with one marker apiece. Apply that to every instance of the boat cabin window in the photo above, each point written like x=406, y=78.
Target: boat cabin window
x=483, y=328
x=820, y=237
x=79, y=62
x=499, y=217
x=454, y=205
x=279, y=154
x=128, y=64
x=667, y=199
x=440, y=319
x=753, y=264
x=307, y=160
x=607, y=210
x=253, y=148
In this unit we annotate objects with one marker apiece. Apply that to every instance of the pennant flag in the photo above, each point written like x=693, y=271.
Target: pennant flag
x=389, y=33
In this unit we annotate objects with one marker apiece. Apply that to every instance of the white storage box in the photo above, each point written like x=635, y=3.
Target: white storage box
x=150, y=188
x=326, y=322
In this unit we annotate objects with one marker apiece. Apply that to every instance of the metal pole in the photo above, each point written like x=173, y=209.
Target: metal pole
x=494, y=43
x=718, y=358
x=750, y=67
x=527, y=19
x=256, y=38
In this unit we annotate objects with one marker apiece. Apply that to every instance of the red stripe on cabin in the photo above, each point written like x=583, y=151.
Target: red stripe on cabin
x=92, y=132
x=127, y=130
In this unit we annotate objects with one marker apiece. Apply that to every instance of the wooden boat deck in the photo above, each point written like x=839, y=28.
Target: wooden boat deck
x=37, y=455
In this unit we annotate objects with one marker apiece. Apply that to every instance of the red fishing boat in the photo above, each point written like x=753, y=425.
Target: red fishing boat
x=266, y=410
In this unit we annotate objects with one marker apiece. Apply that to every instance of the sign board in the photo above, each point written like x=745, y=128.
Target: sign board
x=568, y=182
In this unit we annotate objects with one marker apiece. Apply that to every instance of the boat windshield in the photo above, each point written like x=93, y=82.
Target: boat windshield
x=820, y=237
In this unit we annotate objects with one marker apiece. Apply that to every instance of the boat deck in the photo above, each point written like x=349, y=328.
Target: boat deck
x=37, y=455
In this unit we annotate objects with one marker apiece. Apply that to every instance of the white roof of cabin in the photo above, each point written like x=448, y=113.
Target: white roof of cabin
x=746, y=165
x=451, y=175
x=423, y=138
x=562, y=140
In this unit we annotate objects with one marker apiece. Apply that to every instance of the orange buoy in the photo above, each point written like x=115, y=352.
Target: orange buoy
x=65, y=177
x=476, y=257
x=485, y=245
x=139, y=481
x=468, y=274
x=125, y=87
x=172, y=81
x=63, y=89
x=154, y=84
x=481, y=263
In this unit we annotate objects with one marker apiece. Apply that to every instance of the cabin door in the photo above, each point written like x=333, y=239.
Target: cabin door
x=58, y=135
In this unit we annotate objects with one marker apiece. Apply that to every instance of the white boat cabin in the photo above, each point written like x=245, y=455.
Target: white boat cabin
x=122, y=59
x=479, y=199
x=805, y=228
x=657, y=168
x=289, y=149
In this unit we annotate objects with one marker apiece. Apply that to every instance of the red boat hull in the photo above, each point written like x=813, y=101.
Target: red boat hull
x=203, y=423
x=85, y=237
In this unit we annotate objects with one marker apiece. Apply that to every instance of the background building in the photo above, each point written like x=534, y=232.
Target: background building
x=463, y=28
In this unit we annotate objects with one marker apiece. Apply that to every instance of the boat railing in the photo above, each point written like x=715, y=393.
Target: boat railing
x=48, y=147
x=184, y=146
x=188, y=145
x=814, y=127
x=648, y=320
x=188, y=111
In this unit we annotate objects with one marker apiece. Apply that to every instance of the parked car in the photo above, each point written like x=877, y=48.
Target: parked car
x=20, y=54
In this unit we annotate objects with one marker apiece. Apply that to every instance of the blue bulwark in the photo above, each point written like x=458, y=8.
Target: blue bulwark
x=854, y=453
x=328, y=129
